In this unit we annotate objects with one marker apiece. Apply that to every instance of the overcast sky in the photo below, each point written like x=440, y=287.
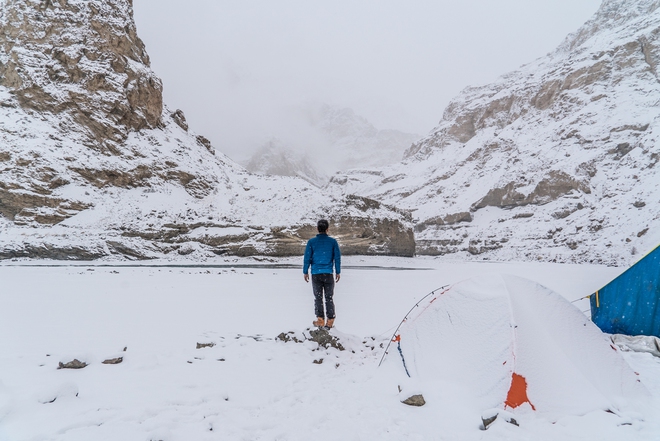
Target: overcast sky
x=240, y=69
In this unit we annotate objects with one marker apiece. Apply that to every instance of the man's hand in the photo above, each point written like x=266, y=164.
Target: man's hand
x=306, y=276
x=337, y=278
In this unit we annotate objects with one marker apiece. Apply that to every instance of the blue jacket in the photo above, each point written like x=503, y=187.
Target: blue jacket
x=321, y=252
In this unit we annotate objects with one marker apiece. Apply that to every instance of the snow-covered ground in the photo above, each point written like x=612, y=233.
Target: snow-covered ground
x=250, y=385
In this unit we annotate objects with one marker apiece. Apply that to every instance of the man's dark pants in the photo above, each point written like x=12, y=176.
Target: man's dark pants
x=324, y=284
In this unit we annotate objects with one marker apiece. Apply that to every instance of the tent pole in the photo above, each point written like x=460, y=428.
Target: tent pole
x=404, y=319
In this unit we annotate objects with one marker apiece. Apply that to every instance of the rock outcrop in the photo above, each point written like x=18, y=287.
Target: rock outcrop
x=555, y=161
x=92, y=70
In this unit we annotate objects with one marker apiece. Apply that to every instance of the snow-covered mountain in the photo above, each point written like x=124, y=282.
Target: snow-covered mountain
x=275, y=158
x=93, y=164
x=333, y=139
x=555, y=161
x=354, y=141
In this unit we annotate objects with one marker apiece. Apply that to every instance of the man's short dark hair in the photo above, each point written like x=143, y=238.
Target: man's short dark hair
x=322, y=226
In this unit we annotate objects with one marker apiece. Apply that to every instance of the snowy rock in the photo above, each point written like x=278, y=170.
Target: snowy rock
x=415, y=400
x=324, y=339
x=116, y=360
x=205, y=345
x=180, y=119
x=490, y=416
x=46, y=250
x=117, y=247
x=289, y=336
x=74, y=364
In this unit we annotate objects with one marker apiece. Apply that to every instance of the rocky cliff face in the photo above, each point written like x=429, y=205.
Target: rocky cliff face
x=92, y=164
x=555, y=161
x=83, y=62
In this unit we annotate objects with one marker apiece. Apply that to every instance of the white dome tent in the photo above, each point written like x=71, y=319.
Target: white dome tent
x=500, y=341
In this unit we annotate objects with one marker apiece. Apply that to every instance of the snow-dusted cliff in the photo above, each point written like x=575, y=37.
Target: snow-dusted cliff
x=92, y=163
x=555, y=161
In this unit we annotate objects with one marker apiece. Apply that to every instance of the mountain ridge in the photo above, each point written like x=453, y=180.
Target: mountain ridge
x=94, y=165
x=554, y=161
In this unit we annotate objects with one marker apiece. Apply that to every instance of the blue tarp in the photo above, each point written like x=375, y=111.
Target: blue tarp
x=630, y=304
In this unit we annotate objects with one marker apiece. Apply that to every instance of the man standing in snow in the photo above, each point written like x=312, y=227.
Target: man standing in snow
x=321, y=253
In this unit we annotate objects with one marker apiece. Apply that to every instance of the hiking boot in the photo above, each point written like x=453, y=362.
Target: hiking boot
x=329, y=323
x=320, y=321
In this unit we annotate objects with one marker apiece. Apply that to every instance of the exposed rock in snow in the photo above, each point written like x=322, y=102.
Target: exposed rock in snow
x=415, y=400
x=325, y=339
x=489, y=416
x=555, y=161
x=93, y=164
x=74, y=364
